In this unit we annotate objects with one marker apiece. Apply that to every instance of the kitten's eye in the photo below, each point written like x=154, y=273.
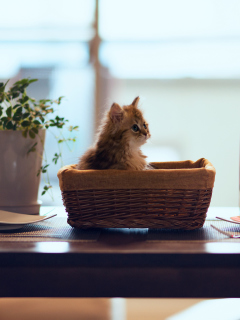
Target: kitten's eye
x=144, y=126
x=135, y=128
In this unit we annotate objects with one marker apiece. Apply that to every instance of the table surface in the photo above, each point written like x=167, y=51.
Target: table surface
x=51, y=259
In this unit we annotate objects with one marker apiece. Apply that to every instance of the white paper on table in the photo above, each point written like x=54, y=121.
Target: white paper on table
x=13, y=220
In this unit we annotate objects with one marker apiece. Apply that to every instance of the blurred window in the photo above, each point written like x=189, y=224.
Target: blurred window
x=171, y=39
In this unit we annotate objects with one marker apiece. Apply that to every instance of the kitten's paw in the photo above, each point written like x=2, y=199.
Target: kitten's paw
x=149, y=167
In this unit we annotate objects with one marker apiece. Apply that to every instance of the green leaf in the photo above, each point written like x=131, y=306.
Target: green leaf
x=32, y=80
x=35, y=130
x=19, y=110
x=60, y=99
x=50, y=110
x=25, y=115
x=44, y=101
x=24, y=133
x=32, y=149
x=32, y=134
x=24, y=81
x=26, y=107
x=42, y=169
x=16, y=105
x=36, y=122
x=6, y=83
x=71, y=128
x=45, y=189
x=9, y=125
x=14, y=89
x=9, y=112
x=42, y=119
x=25, y=123
x=25, y=99
x=2, y=87
x=18, y=114
x=17, y=117
x=15, y=95
x=57, y=156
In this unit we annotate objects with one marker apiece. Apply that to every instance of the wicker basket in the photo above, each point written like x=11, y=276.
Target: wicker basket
x=176, y=195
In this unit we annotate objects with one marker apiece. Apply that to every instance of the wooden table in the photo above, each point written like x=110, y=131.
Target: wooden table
x=124, y=263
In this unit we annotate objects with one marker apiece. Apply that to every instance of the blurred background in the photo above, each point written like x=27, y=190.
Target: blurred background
x=180, y=57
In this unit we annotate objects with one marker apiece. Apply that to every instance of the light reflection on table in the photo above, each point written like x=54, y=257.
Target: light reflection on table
x=222, y=247
x=52, y=247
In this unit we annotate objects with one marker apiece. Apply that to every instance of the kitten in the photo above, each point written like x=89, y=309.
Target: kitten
x=123, y=131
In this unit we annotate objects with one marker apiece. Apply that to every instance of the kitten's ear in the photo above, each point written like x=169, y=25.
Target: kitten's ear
x=116, y=113
x=135, y=102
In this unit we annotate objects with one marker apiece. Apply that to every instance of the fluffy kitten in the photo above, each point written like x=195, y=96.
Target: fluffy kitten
x=123, y=131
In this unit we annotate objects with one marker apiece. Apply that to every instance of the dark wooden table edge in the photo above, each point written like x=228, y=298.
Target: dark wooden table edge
x=119, y=260
x=120, y=282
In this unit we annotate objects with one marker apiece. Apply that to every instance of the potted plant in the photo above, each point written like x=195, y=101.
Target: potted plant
x=23, y=124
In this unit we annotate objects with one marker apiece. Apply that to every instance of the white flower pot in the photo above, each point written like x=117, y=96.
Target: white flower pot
x=19, y=182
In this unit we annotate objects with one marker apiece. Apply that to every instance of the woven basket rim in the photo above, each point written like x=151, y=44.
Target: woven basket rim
x=168, y=175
